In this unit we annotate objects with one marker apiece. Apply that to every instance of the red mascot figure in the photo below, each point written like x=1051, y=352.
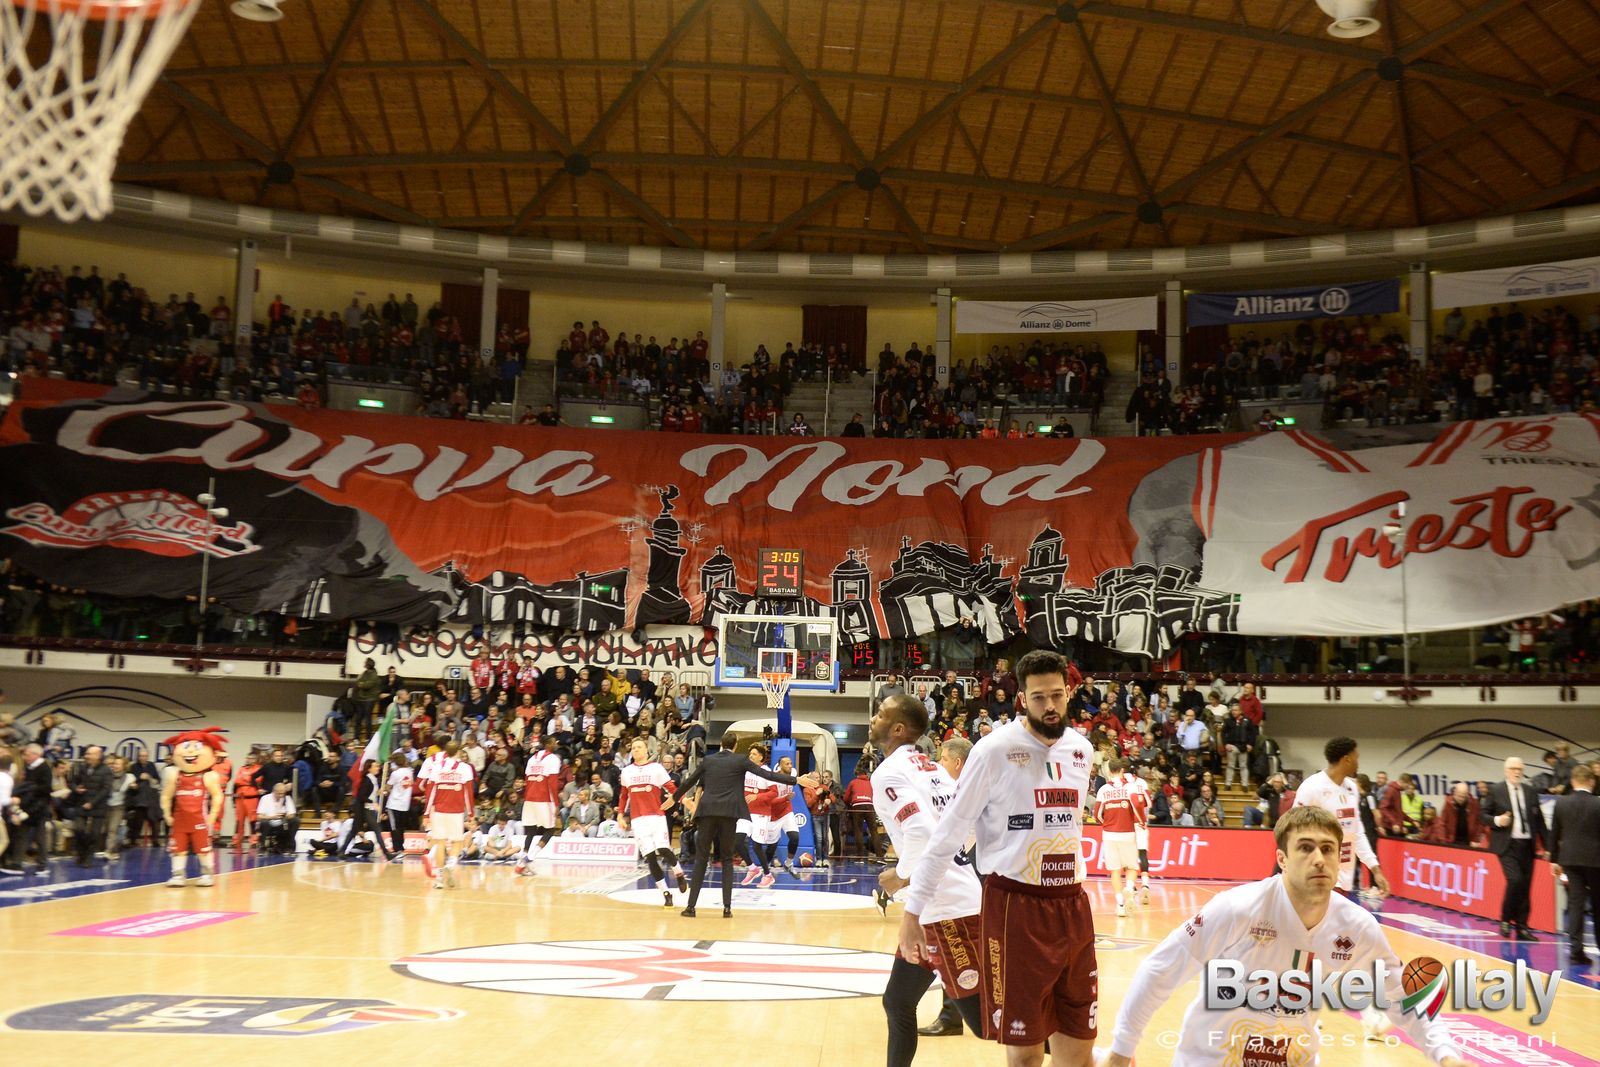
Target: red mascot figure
x=183, y=802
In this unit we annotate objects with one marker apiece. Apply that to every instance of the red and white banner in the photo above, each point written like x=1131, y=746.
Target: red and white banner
x=1130, y=542
x=1186, y=852
x=1462, y=879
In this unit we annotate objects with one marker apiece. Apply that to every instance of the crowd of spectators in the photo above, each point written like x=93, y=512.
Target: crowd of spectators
x=506, y=708
x=1511, y=362
x=748, y=398
x=909, y=400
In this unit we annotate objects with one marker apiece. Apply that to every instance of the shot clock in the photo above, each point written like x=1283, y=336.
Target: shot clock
x=780, y=572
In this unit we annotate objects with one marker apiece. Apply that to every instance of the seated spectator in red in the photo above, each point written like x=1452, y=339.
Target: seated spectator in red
x=1457, y=822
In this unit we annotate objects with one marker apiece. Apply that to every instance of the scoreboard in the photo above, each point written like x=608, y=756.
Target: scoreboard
x=780, y=572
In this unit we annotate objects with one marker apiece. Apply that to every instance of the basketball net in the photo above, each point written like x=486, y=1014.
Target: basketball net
x=776, y=685
x=62, y=117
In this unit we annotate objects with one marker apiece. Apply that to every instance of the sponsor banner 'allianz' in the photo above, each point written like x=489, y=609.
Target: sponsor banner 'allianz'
x=1540, y=281
x=1055, y=316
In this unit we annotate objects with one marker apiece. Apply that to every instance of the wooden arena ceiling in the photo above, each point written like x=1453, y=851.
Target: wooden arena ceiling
x=882, y=126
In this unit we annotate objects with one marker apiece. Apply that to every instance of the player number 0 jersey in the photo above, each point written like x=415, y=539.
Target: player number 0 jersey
x=909, y=793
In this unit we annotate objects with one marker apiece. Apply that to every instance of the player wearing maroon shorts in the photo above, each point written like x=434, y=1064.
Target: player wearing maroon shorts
x=184, y=792
x=1023, y=790
x=909, y=791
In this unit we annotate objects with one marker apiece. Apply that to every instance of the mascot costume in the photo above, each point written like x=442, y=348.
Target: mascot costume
x=183, y=801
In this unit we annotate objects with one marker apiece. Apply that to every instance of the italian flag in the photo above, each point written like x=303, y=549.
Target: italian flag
x=378, y=748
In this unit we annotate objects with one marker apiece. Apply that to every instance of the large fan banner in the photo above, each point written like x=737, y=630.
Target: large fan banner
x=1127, y=542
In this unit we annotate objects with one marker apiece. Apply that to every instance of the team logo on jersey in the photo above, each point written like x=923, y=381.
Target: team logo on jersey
x=1019, y=756
x=1343, y=947
x=154, y=520
x=1078, y=759
x=207, y=1016
x=1054, y=771
x=1263, y=932
x=684, y=971
x=967, y=979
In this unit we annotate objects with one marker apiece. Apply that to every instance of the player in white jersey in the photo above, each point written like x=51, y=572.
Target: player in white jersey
x=909, y=791
x=646, y=791
x=1023, y=790
x=1336, y=791
x=1278, y=924
x=1119, y=808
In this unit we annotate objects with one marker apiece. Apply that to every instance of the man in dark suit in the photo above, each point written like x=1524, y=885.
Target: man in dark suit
x=1575, y=846
x=33, y=797
x=1516, y=827
x=719, y=810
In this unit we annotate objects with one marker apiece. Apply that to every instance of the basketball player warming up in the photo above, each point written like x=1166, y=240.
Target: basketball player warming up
x=759, y=795
x=1119, y=809
x=450, y=789
x=1023, y=791
x=646, y=790
x=1277, y=924
x=1141, y=833
x=184, y=793
x=784, y=826
x=909, y=792
x=541, y=796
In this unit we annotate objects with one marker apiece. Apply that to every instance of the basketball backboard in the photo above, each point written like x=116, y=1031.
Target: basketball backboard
x=750, y=644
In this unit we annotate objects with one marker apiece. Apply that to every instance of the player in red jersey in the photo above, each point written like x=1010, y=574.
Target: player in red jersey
x=759, y=795
x=1141, y=831
x=1119, y=809
x=541, y=800
x=184, y=792
x=646, y=789
x=782, y=822
x=449, y=802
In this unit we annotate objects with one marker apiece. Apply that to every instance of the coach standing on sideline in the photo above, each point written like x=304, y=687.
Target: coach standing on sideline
x=1575, y=846
x=721, y=806
x=1516, y=826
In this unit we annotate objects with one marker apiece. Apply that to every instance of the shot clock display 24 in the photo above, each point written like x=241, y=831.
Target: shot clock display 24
x=780, y=572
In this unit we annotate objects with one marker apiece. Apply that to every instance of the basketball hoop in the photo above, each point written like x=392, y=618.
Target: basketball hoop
x=776, y=685
x=62, y=118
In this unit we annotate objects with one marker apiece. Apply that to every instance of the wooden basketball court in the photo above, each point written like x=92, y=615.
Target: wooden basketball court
x=790, y=979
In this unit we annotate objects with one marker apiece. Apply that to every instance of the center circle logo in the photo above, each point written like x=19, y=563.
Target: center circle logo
x=1333, y=301
x=658, y=970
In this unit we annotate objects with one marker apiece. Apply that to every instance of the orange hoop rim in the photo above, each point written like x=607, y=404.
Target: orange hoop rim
x=776, y=678
x=102, y=10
